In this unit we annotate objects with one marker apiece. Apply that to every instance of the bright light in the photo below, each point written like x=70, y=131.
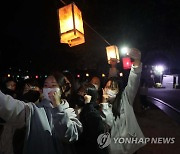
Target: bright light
x=121, y=74
x=103, y=75
x=87, y=74
x=159, y=69
x=78, y=76
x=9, y=75
x=152, y=76
x=36, y=76
x=126, y=63
x=124, y=50
x=45, y=76
x=26, y=77
x=65, y=71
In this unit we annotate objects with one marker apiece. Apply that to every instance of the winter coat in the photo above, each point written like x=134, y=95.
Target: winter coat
x=48, y=129
x=125, y=127
x=93, y=126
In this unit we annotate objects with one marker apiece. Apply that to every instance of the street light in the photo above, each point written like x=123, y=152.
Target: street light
x=125, y=50
x=158, y=70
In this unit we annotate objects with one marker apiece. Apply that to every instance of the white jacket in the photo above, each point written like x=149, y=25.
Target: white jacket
x=48, y=130
x=125, y=129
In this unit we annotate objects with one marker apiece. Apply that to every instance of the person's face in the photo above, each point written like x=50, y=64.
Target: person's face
x=11, y=85
x=112, y=86
x=50, y=82
x=96, y=81
x=81, y=92
x=67, y=88
x=110, y=91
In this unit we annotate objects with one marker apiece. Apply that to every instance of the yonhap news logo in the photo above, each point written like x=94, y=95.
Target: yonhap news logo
x=104, y=140
x=152, y=140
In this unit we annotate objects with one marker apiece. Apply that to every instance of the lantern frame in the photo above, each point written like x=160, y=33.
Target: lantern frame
x=71, y=25
x=126, y=60
x=112, y=54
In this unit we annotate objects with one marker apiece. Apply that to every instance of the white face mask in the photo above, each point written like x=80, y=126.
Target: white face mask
x=111, y=93
x=46, y=91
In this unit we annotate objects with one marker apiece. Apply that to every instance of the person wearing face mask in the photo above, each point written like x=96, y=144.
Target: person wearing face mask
x=110, y=94
x=97, y=83
x=51, y=126
x=31, y=91
x=117, y=109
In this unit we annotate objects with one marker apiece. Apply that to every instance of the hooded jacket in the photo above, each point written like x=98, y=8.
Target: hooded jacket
x=126, y=135
x=49, y=130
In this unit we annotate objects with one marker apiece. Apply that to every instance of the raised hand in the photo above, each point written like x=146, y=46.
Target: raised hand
x=87, y=99
x=104, y=96
x=135, y=54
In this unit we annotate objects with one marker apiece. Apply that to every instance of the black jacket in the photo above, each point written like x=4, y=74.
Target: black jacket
x=93, y=126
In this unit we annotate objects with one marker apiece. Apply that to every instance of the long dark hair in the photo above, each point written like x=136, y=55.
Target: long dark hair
x=86, y=89
x=116, y=105
x=91, y=90
x=63, y=85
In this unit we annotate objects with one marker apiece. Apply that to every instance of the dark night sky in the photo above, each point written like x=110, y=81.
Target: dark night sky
x=30, y=33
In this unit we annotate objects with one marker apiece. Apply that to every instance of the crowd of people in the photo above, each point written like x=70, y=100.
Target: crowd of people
x=63, y=117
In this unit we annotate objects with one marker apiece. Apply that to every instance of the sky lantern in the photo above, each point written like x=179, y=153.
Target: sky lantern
x=126, y=63
x=112, y=54
x=71, y=25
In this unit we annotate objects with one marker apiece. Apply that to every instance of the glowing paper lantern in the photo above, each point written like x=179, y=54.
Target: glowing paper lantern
x=126, y=63
x=71, y=25
x=112, y=54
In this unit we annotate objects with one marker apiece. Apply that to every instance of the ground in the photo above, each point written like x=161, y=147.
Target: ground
x=155, y=123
